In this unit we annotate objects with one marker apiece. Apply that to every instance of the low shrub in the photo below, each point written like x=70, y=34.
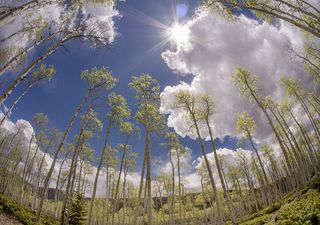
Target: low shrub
x=11, y=207
x=23, y=214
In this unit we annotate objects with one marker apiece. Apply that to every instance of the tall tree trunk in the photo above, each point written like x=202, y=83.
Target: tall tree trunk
x=179, y=186
x=25, y=166
x=36, y=187
x=31, y=164
x=172, y=211
x=116, y=205
x=212, y=182
x=125, y=172
x=8, y=171
x=15, y=103
x=204, y=204
x=72, y=173
x=304, y=134
x=73, y=170
x=265, y=177
x=8, y=17
x=266, y=182
x=226, y=194
x=261, y=106
x=261, y=181
x=56, y=154
x=18, y=32
x=295, y=149
x=3, y=141
x=137, y=212
x=250, y=185
x=161, y=205
x=56, y=193
x=108, y=191
x=301, y=156
x=15, y=176
x=105, y=202
x=313, y=123
x=15, y=59
x=102, y=156
x=148, y=178
x=80, y=176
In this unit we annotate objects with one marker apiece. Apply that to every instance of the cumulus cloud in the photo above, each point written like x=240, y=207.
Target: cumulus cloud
x=216, y=48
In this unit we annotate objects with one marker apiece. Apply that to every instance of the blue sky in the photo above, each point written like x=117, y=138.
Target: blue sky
x=132, y=53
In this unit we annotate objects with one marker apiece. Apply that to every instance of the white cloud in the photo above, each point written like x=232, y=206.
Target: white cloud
x=102, y=15
x=216, y=48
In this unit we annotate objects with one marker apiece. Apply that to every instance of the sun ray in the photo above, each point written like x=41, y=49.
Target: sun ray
x=143, y=18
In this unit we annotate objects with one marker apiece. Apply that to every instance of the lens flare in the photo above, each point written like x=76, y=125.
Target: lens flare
x=180, y=33
x=182, y=9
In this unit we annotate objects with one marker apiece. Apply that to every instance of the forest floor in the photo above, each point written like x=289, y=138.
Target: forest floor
x=6, y=219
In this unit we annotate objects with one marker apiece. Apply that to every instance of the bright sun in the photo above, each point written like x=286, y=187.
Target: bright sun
x=180, y=33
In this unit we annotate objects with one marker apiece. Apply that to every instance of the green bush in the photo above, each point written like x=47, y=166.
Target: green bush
x=24, y=215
